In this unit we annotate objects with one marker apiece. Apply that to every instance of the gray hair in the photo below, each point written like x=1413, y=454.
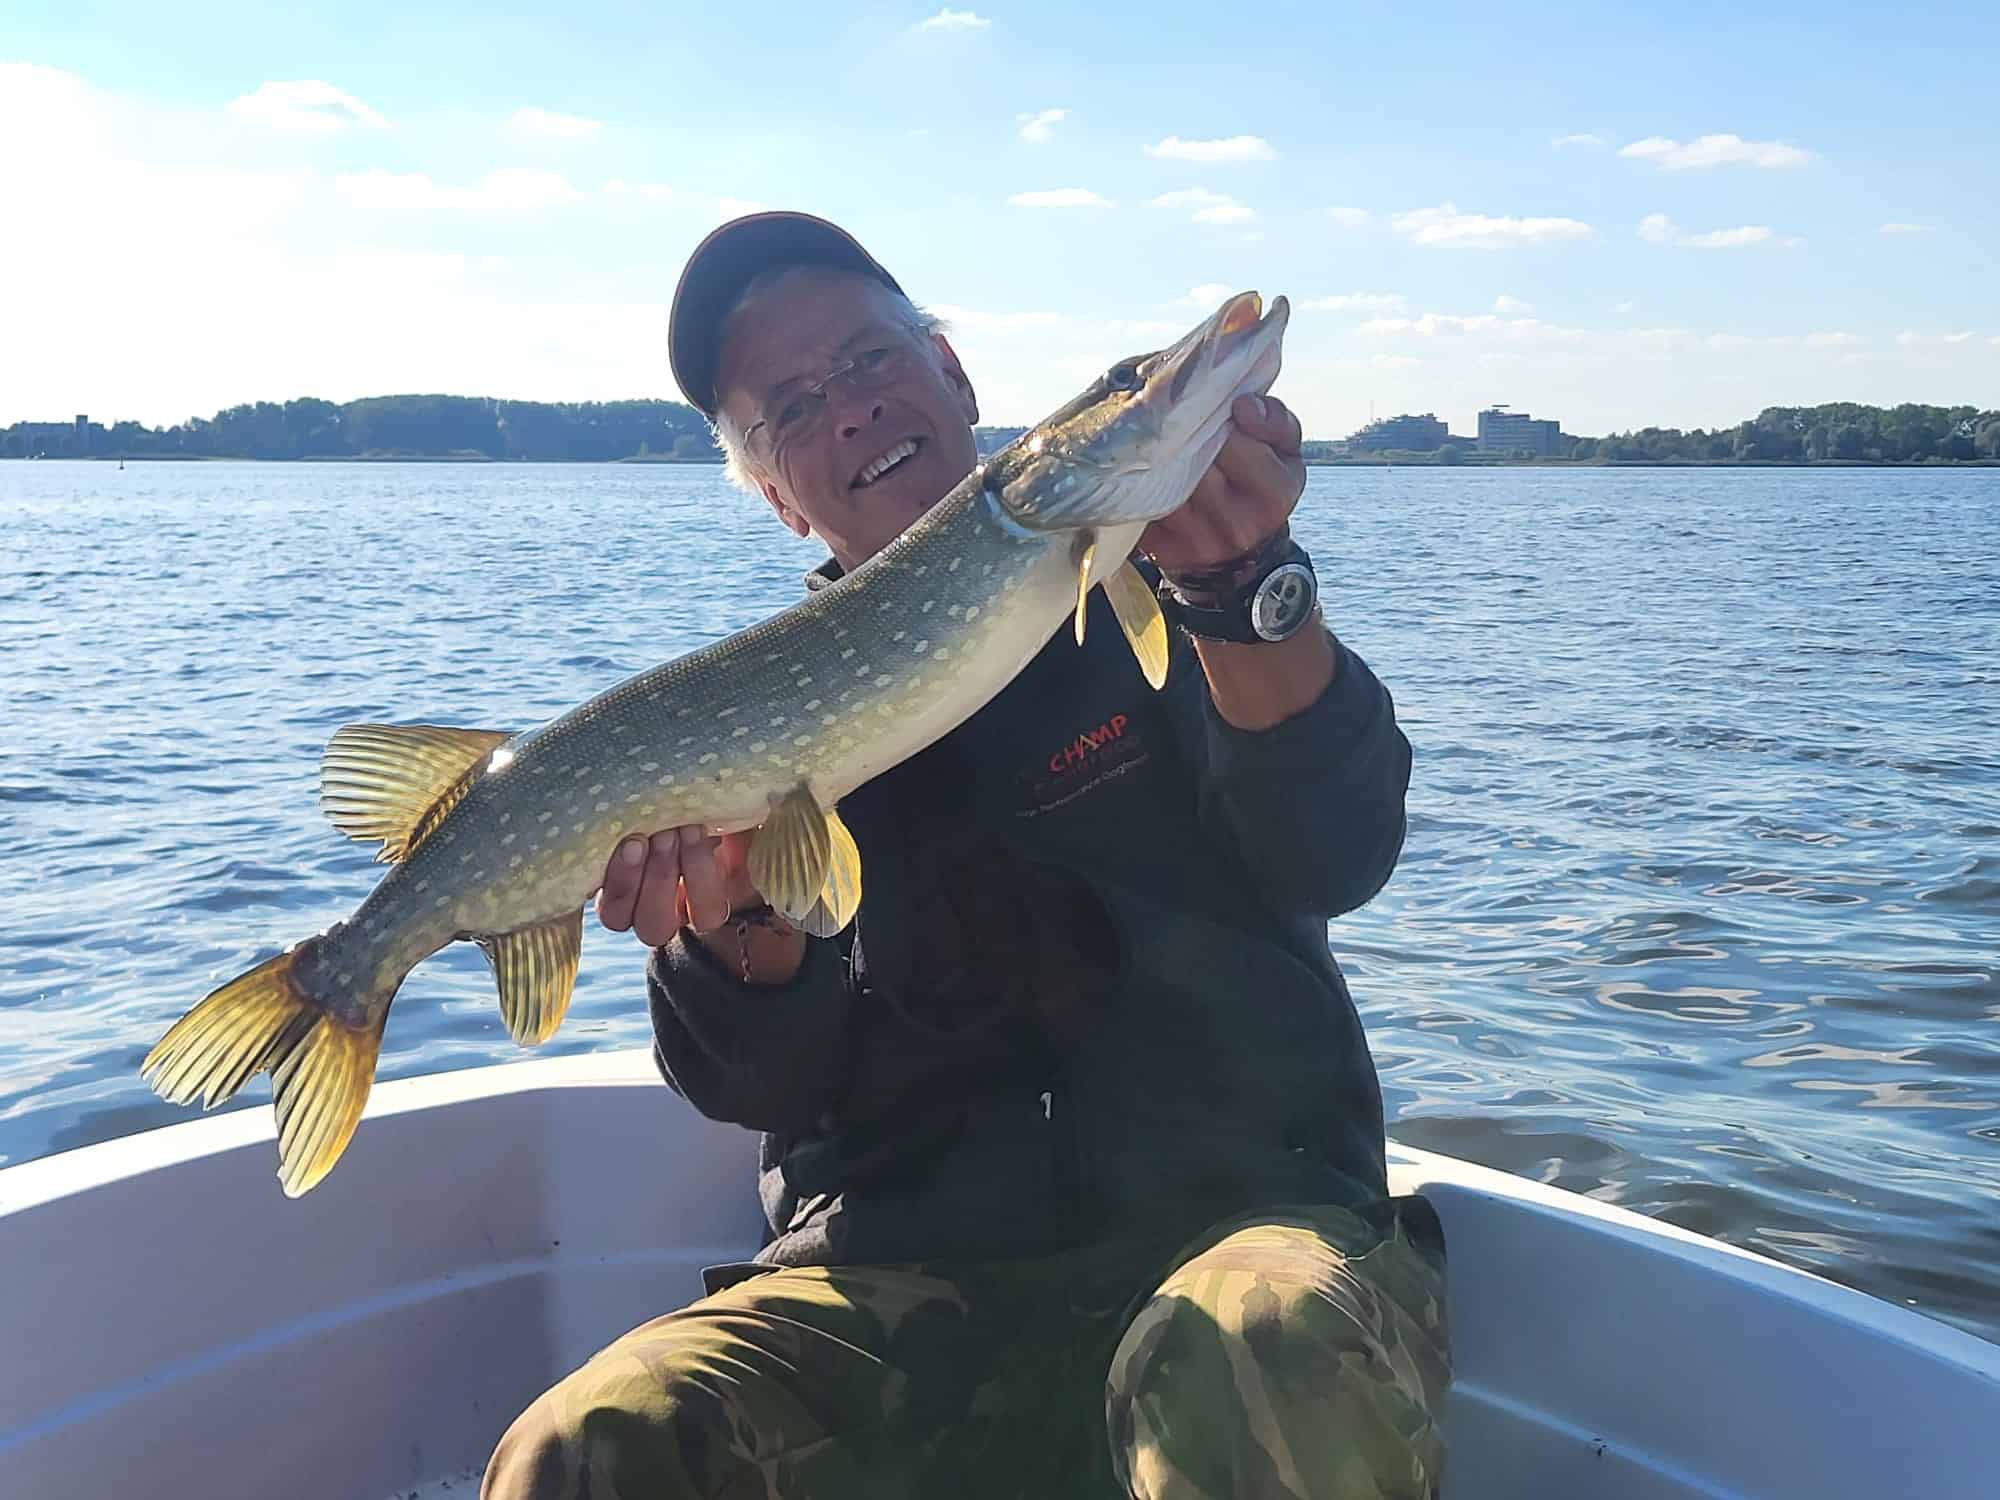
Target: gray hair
x=736, y=464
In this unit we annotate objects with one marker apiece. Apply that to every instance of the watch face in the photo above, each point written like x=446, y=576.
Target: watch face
x=1283, y=601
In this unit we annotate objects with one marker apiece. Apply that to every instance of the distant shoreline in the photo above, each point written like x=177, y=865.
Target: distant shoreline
x=479, y=429
x=1415, y=461
x=1424, y=461
x=355, y=458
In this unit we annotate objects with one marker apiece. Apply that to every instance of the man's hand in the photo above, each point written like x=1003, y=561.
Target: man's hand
x=680, y=877
x=1246, y=495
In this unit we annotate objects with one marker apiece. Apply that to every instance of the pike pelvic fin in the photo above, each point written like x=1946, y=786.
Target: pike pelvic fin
x=396, y=782
x=535, y=968
x=1084, y=551
x=321, y=1068
x=840, y=896
x=791, y=855
x=1138, y=611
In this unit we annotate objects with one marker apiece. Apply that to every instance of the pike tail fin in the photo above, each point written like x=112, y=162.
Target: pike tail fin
x=263, y=1021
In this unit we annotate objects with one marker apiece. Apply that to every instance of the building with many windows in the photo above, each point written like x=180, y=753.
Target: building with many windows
x=1504, y=431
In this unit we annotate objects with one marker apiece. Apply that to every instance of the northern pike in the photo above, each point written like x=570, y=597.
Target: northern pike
x=502, y=838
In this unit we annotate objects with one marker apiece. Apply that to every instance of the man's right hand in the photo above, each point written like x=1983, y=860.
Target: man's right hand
x=684, y=877
x=679, y=877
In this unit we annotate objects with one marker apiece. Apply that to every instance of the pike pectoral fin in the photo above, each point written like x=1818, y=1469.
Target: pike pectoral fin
x=840, y=896
x=791, y=854
x=395, y=782
x=1139, y=616
x=1086, y=549
x=535, y=968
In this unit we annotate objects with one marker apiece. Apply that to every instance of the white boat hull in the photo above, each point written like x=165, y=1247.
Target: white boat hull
x=171, y=1325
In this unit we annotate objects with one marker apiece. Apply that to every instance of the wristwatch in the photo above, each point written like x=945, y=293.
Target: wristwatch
x=1272, y=604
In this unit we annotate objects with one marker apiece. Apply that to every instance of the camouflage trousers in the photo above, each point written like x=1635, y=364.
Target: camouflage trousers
x=1294, y=1354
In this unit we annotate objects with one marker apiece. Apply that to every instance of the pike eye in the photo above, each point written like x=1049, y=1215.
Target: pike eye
x=1123, y=376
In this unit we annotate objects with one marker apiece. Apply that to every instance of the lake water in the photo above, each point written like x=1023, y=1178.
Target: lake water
x=1699, y=912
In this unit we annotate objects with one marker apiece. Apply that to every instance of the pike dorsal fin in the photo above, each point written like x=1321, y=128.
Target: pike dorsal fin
x=395, y=782
x=791, y=854
x=535, y=968
x=1139, y=616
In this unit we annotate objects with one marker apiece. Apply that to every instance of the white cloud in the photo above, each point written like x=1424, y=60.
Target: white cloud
x=1208, y=208
x=954, y=20
x=975, y=320
x=514, y=190
x=1623, y=307
x=1446, y=226
x=1658, y=229
x=1395, y=361
x=378, y=188
x=304, y=106
x=507, y=192
x=1479, y=325
x=1728, y=239
x=1348, y=218
x=1231, y=148
x=529, y=126
x=1206, y=297
x=34, y=98
x=1039, y=128
x=1583, y=138
x=1355, y=302
x=1060, y=198
x=719, y=206
x=654, y=192
x=1833, y=340
x=1896, y=228
x=1910, y=339
x=1513, y=306
x=1715, y=151
x=376, y=263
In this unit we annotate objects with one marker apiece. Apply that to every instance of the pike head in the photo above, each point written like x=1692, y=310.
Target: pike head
x=1131, y=448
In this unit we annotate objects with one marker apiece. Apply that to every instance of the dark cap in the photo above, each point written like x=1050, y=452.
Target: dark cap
x=728, y=261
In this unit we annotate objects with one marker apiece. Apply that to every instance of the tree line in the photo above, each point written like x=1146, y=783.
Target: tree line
x=476, y=427
x=1841, y=431
x=471, y=427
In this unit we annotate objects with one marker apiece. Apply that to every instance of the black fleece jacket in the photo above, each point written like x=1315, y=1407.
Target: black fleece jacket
x=1088, y=991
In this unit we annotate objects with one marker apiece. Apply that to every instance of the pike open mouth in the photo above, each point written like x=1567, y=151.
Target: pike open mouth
x=887, y=462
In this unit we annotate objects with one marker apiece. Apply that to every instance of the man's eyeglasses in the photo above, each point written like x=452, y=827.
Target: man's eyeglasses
x=802, y=413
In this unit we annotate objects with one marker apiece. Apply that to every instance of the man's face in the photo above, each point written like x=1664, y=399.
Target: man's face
x=815, y=479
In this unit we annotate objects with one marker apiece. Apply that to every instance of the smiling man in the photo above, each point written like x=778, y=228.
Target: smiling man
x=1072, y=1146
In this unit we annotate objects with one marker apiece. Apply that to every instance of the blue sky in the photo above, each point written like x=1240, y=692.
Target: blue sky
x=1613, y=216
